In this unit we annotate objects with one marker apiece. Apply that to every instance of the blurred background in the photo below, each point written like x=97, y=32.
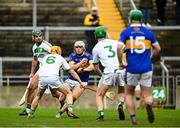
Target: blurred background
x=62, y=22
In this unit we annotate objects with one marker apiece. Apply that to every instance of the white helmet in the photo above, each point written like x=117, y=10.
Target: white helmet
x=80, y=43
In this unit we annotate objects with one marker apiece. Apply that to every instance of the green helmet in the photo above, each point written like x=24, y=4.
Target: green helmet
x=135, y=15
x=100, y=32
x=36, y=32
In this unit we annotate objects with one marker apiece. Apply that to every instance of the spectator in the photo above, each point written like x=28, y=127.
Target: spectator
x=146, y=7
x=177, y=4
x=160, y=4
x=91, y=20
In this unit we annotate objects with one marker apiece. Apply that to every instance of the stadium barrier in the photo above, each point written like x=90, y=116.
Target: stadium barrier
x=166, y=81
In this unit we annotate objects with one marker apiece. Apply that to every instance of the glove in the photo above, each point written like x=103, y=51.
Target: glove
x=84, y=65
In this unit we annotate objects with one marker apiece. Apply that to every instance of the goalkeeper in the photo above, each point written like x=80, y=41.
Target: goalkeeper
x=81, y=62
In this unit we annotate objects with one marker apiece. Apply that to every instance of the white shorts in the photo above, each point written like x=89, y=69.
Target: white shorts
x=138, y=88
x=72, y=83
x=144, y=79
x=47, y=91
x=117, y=77
x=53, y=82
x=120, y=77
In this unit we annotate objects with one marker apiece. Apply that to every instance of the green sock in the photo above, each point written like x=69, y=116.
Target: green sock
x=100, y=113
x=121, y=103
x=28, y=106
x=70, y=107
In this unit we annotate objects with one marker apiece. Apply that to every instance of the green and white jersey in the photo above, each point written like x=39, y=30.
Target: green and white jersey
x=42, y=50
x=51, y=65
x=105, y=51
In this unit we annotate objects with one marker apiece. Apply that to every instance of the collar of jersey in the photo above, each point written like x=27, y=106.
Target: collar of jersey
x=135, y=25
x=80, y=55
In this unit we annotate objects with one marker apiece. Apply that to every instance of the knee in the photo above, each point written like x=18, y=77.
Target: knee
x=74, y=99
x=54, y=95
x=32, y=86
x=101, y=94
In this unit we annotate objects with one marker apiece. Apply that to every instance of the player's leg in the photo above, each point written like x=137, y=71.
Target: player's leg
x=129, y=92
x=120, y=76
x=30, y=94
x=69, y=99
x=101, y=90
x=121, y=98
x=70, y=84
x=33, y=86
x=147, y=94
x=146, y=88
x=131, y=82
x=105, y=81
x=35, y=102
x=60, y=97
x=46, y=97
x=138, y=96
x=76, y=92
x=63, y=106
x=57, y=94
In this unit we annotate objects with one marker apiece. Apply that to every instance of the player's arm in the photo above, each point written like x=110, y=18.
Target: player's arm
x=97, y=70
x=156, y=52
x=75, y=75
x=75, y=66
x=33, y=66
x=67, y=67
x=89, y=68
x=120, y=54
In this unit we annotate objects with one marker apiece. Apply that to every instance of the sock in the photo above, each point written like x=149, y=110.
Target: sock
x=101, y=113
x=132, y=117
x=28, y=106
x=32, y=111
x=60, y=112
x=121, y=103
x=70, y=107
x=148, y=103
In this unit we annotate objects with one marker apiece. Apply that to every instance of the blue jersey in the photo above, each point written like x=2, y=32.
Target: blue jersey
x=138, y=41
x=84, y=76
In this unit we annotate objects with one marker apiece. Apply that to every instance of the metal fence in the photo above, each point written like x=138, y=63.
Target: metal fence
x=165, y=80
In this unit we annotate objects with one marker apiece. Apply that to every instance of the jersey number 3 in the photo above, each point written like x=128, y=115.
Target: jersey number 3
x=111, y=51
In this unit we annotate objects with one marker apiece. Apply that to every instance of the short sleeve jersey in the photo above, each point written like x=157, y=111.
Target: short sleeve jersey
x=42, y=50
x=51, y=65
x=138, y=41
x=105, y=51
x=76, y=59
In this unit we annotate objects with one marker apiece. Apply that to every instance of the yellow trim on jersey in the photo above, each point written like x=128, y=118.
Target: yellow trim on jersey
x=146, y=42
x=124, y=58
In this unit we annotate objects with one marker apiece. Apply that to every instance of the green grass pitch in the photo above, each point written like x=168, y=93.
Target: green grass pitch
x=46, y=118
